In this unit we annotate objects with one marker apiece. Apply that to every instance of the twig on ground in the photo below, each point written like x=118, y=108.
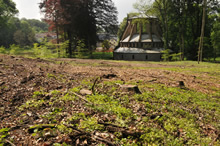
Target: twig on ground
x=93, y=86
x=83, y=98
x=10, y=142
x=104, y=140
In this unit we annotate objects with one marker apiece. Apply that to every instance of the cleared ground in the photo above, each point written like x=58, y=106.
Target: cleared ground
x=42, y=103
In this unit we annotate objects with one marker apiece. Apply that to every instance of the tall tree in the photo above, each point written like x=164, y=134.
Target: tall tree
x=54, y=15
x=7, y=10
x=37, y=25
x=82, y=17
x=24, y=34
x=202, y=32
x=215, y=37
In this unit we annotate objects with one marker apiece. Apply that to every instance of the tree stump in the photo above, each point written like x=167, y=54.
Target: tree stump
x=181, y=84
x=131, y=88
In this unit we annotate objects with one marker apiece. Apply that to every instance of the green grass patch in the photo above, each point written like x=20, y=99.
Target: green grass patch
x=102, y=55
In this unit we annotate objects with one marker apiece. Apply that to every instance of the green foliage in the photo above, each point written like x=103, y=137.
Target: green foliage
x=110, y=105
x=181, y=24
x=33, y=103
x=15, y=49
x=64, y=129
x=76, y=118
x=161, y=115
x=51, y=76
x=122, y=27
x=106, y=44
x=24, y=34
x=3, y=135
x=81, y=33
x=45, y=50
x=67, y=97
x=175, y=56
x=215, y=35
x=7, y=8
x=38, y=94
x=82, y=51
x=102, y=55
x=144, y=7
x=2, y=50
x=90, y=125
x=165, y=55
x=37, y=25
x=62, y=49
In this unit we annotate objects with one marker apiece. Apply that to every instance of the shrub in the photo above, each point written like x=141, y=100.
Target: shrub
x=165, y=55
x=106, y=44
x=176, y=56
x=44, y=51
x=15, y=49
x=82, y=51
x=2, y=50
x=62, y=49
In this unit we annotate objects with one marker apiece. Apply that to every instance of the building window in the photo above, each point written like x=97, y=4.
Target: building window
x=133, y=57
x=146, y=57
x=122, y=57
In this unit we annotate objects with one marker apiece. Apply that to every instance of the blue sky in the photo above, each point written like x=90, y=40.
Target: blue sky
x=29, y=8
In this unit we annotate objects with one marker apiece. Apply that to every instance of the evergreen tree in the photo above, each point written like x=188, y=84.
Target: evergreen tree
x=79, y=19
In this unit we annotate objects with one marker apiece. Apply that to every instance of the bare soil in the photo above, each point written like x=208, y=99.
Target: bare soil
x=20, y=77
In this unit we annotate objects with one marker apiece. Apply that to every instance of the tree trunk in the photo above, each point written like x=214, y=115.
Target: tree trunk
x=58, y=42
x=202, y=33
x=183, y=32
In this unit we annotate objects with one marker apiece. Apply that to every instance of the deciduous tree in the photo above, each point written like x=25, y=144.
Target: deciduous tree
x=79, y=19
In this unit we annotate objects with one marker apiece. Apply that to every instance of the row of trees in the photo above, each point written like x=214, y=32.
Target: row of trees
x=20, y=31
x=77, y=21
x=17, y=31
x=181, y=22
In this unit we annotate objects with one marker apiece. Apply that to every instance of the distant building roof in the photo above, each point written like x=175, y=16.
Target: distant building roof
x=137, y=50
x=106, y=36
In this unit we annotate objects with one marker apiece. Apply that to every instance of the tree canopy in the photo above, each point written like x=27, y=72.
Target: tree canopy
x=7, y=9
x=181, y=22
x=78, y=20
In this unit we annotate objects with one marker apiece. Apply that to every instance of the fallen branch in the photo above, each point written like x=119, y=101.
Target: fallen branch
x=10, y=142
x=104, y=140
x=81, y=97
x=90, y=135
